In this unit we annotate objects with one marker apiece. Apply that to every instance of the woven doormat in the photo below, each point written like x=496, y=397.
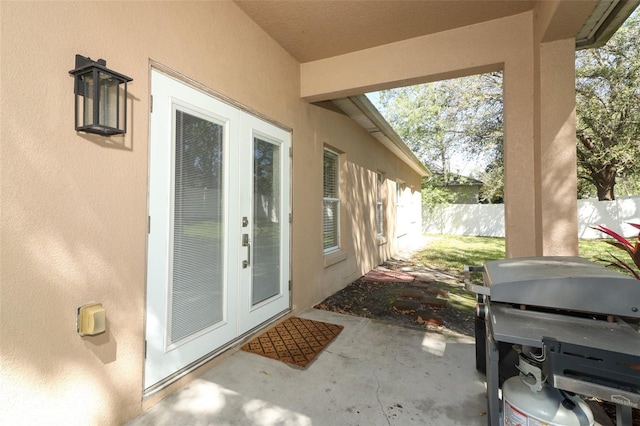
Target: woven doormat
x=295, y=341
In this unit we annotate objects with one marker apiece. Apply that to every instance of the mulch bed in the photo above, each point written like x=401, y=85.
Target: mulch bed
x=407, y=295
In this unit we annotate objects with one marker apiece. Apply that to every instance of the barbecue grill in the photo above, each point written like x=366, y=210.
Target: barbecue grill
x=570, y=317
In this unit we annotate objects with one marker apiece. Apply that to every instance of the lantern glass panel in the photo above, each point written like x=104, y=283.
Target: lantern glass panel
x=109, y=102
x=85, y=100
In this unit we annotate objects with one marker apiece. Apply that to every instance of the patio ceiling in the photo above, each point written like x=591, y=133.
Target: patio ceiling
x=316, y=29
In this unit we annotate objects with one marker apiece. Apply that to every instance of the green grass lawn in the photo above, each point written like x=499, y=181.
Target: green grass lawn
x=598, y=249
x=450, y=253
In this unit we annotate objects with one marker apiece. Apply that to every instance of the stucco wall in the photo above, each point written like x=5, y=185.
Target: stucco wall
x=362, y=161
x=538, y=84
x=74, y=206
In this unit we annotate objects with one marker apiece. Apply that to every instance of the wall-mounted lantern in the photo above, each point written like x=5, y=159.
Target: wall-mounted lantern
x=101, y=97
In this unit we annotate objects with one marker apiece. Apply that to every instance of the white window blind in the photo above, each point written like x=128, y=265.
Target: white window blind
x=267, y=222
x=196, y=285
x=331, y=202
x=401, y=219
x=379, y=206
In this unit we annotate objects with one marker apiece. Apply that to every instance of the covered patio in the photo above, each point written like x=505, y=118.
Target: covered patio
x=77, y=213
x=372, y=373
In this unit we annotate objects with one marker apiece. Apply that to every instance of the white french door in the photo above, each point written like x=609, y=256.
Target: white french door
x=218, y=245
x=264, y=200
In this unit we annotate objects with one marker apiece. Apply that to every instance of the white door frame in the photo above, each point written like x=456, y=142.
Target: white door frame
x=164, y=360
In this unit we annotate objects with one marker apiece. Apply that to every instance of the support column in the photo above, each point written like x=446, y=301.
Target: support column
x=556, y=167
x=521, y=229
x=539, y=118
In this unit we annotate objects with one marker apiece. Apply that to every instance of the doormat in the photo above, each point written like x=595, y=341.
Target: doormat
x=294, y=341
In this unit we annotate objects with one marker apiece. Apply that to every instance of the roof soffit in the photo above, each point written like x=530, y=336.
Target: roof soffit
x=558, y=20
x=607, y=16
x=363, y=112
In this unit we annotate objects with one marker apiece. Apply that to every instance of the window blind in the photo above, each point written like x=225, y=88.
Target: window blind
x=331, y=202
x=379, y=206
x=196, y=285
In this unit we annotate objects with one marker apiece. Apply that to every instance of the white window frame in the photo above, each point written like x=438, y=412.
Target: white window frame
x=335, y=200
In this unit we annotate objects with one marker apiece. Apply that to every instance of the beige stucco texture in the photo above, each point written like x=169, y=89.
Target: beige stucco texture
x=535, y=89
x=74, y=206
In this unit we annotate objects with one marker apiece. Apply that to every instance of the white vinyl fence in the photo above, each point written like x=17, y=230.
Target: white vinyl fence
x=487, y=220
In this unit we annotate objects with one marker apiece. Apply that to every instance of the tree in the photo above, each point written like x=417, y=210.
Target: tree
x=492, y=190
x=453, y=118
x=433, y=193
x=463, y=118
x=608, y=110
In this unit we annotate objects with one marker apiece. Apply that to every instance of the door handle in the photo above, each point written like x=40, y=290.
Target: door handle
x=246, y=243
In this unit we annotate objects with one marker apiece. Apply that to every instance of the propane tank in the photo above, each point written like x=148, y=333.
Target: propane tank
x=529, y=401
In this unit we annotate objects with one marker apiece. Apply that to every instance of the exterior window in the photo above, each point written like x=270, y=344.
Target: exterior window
x=331, y=201
x=379, y=205
x=401, y=219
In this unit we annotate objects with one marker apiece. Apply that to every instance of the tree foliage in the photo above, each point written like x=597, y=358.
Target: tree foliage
x=608, y=110
x=433, y=193
x=463, y=119
x=450, y=119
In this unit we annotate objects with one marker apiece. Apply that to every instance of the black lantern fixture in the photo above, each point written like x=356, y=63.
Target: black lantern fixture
x=101, y=97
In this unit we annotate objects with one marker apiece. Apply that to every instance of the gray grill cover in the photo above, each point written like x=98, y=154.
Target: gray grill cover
x=567, y=283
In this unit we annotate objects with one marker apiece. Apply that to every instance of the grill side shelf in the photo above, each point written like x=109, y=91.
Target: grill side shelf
x=475, y=288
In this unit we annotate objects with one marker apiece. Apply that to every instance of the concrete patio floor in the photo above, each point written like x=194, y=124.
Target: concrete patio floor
x=373, y=373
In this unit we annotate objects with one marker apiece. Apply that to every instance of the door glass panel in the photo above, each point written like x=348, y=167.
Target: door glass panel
x=266, y=220
x=197, y=278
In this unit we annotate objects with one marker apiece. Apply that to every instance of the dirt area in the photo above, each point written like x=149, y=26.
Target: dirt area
x=407, y=294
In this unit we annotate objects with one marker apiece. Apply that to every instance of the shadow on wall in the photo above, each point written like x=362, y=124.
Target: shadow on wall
x=122, y=142
x=361, y=201
x=557, y=196
x=70, y=244
x=104, y=345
